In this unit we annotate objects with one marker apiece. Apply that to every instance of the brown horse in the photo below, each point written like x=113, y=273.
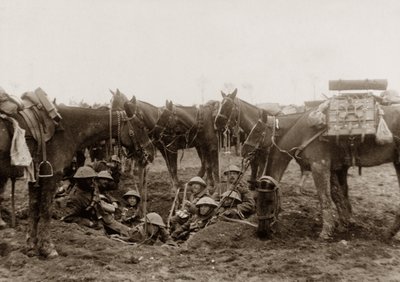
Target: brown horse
x=327, y=162
x=150, y=115
x=78, y=128
x=236, y=112
x=181, y=127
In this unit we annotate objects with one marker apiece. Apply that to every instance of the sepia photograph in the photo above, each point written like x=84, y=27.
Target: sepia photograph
x=213, y=140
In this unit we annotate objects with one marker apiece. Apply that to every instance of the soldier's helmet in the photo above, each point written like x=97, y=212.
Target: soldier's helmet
x=115, y=158
x=105, y=175
x=85, y=172
x=232, y=194
x=232, y=168
x=133, y=193
x=206, y=201
x=197, y=180
x=154, y=218
x=268, y=179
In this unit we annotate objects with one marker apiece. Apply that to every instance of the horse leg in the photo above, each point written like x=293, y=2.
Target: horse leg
x=201, y=155
x=254, y=166
x=3, y=181
x=215, y=165
x=339, y=194
x=45, y=246
x=34, y=201
x=396, y=224
x=171, y=159
x=321, y=175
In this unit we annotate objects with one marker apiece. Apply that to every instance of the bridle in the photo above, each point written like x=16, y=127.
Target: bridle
x=272, y=124
x=140, y=150
x=234, y=108
x=171, y=123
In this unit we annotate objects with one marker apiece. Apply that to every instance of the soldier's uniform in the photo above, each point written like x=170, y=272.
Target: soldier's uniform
x=182, y=216
x=131, y=215
x=248, y=205
x=197, y=221
x=156, y=231
x=78, y=205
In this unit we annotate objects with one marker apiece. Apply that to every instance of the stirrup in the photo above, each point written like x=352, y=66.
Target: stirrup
x=45, y=169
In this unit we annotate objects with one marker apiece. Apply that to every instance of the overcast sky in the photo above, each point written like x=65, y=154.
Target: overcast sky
x=281, y=51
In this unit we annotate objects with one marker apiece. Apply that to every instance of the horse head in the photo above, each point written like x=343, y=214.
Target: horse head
x=167, y=119
x=140, y=145
x=118, y=100
x=226, y=112
x=261, y=135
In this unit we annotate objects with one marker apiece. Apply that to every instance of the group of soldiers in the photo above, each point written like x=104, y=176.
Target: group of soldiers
x=89, y=203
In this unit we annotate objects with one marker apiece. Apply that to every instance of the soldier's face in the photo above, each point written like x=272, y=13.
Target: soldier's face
x=132, y=201
x=196, y=188
x=204, y=209
x=232, y=176
x=228, y=202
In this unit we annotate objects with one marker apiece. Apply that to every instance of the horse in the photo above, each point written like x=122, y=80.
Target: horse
x=236, y=112
x=181, y=127
x=327, y=161
x=78, y=128
x=150, y=115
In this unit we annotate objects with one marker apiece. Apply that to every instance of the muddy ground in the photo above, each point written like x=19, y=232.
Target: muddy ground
x=226, y=251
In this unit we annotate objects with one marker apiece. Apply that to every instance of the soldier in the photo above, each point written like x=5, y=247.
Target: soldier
x=198, y=189
x=107, y=206
x=229, y=205
x=150, y=231
x=79, y=203
x=248, y=204
x=206, y=208
x=131, y=213
x=115, y=169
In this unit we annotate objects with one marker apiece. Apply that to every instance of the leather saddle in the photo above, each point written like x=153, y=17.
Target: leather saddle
x=40, y=115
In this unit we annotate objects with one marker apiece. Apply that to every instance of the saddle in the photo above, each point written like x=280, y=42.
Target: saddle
x=41, y=117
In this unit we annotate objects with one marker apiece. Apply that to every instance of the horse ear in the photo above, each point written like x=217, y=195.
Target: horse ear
x=133, y=100
x=170, y=105
x=118, y=92
x=234, y=93
x=166, y=103
x=112, y=93
x=223, y=94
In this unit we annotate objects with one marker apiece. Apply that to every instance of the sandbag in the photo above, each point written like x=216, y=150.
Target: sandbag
x=383, y=134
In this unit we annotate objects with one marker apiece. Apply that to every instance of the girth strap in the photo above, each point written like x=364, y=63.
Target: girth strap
x=308, y=142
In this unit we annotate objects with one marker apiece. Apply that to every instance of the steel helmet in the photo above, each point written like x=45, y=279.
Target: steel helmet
x=206, y=201
x=232, y=168
x=115, y=158
x=132, y=193
x=154, y=218
x=269, y=179
x=197, y=180
x=232, y=194
x=85, y=172
x=105, y=174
